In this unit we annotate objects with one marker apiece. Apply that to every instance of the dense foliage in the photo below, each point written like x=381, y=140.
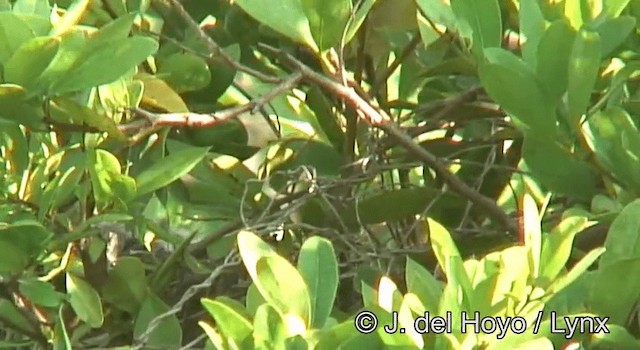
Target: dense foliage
x=278, y=174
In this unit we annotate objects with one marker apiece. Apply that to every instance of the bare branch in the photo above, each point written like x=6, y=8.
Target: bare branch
x=151, y=120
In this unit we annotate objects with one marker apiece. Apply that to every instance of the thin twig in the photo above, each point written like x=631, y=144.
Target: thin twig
x=214, y=49
x=378, y=118
x=406, y=51
x=230, y=261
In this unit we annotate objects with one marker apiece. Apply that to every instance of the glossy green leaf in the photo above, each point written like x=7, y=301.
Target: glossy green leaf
x=41, y=293
x=532, y=232
x=30, y=61
x=481, y=19
x=286, y=17
x=514, y=85
x=554, y=50
x=232, y=320
x=558, y=169
x=532, y=27
x=167, y=334
x=108, y=182
x=252, y=248
x=614, y=275
x=327, y=20
x=578, y=270
x=443, y=245
x=614, y=32
x=85, y=301
x=284, y=288
x=613, y=8
x=576, y=12
x=106, y=64
x=318, y=266
x=584, y=64
x=169, y=169
x=14, y=31
x=556, y=247
x=269, y=328
x=126, y=286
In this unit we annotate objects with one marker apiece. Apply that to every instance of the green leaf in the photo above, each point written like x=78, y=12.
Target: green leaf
x=554, y=50
x=614, y=32
x=13, y=316
x=283, y=287
x=71, y=17
x=167, y=334
x=623, y=238
x=578, y=270
x=359, y=17
x=613, y=8
x=326, y=117
x=107, y=181
x=423, y=284
x=106, y=64
x=556, y=247
x=443, y=245
x=66, y=110
x=85, y=301
x=231, y=318
x=286, y=17
x=30, y=61
x=126, y=286
x=184, y=72
x=292, y=153
x=269, y=328
x=532, y=27
x=36, y=7
x=169, y=169
x=327, y=20
x=19, y=242
x=618, y=337
x=40, y=292
x=514, y=85
x=584, y=64
x=383, y=207
x=614, y=275
x=481, y=21
x=558, y=169
x=576, y=12
x=14, y=31
x=610, y=134
x=532, y=233
x=318, y=266
x=438, y=12
x=252, y=248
